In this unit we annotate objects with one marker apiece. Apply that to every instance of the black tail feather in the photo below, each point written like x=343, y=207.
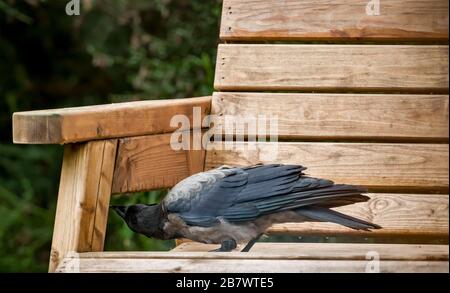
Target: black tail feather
x=328, y=215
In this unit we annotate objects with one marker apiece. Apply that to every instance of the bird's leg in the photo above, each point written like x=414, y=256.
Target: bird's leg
x=226, y=246
x=251, y=243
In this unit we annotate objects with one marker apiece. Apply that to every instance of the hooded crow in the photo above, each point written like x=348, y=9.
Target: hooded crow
x=231, y=205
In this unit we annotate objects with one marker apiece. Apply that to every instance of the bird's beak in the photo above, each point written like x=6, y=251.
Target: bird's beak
x=121, y=210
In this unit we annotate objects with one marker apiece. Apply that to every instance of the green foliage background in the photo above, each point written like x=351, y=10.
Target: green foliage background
x=116, y=50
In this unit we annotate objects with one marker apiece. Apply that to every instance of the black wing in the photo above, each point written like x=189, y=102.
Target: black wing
x=276, y=188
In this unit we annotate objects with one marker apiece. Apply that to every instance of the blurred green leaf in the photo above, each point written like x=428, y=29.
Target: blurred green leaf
x=116, y=50
x=11, y=11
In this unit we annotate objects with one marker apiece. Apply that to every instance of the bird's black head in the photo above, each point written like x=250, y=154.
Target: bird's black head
x=144, y=219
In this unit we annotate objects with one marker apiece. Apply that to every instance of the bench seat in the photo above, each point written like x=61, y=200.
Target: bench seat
x=191, y=257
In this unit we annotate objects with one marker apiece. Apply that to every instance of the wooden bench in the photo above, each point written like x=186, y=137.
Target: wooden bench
x=360, y=99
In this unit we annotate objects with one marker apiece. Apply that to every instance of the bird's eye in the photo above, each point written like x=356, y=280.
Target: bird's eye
x=133, y=221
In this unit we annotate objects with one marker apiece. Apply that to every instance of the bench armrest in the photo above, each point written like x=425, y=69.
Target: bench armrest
x=68, y=125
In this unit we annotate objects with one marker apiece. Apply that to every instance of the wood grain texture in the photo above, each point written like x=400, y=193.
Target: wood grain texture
x=61, y=126
x=149, y=162
x=83, y=199
x=279, y=250
x=418, y=216
x=231, y=264
x=382, y=166
x=398, y=20
x=104, y=183
x=336, y=116
x=400, y=68
x=196, y=156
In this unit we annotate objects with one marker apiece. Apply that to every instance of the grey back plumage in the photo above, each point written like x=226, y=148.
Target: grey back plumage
x=200, y=199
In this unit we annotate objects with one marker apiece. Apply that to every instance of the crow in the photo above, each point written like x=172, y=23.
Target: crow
x=231, y=205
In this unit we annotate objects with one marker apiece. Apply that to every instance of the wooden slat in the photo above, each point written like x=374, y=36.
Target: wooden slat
x=149, y=162
x=425, y=20
x=60, y=126
x=83, y=199
x=232, y=264
x=196, y=156
x=383, y=166
x=405, y=68
x=337, y=116
x=418, y=216
x=279, y=250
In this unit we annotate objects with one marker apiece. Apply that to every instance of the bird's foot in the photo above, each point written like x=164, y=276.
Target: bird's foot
x=251, y=243
x=226, y=246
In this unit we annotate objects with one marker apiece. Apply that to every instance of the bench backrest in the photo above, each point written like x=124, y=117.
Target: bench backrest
x=360, y=99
